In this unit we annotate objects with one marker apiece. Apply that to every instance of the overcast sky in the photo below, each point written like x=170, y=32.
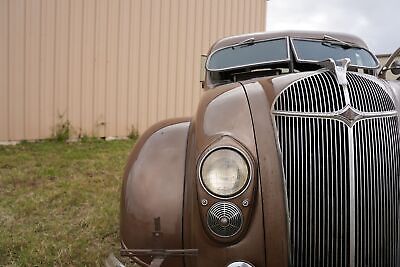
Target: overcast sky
x=377, y=22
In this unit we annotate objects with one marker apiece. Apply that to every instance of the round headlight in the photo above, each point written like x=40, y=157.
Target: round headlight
x=224, y=172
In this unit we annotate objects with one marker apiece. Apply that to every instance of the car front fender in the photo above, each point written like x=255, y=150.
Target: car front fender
x=152, y=190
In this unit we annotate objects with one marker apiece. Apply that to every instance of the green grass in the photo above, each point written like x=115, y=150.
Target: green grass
x=59, y=202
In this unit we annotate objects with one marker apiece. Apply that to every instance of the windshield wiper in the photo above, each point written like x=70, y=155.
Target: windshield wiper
x=246, y=42
x=336, y=42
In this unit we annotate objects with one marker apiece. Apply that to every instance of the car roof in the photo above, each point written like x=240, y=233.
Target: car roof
x=232, y=40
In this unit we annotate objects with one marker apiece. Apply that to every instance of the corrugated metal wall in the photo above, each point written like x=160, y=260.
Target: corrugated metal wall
x=108, y=65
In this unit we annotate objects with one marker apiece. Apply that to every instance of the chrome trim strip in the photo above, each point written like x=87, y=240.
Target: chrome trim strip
x=352, y=178
x=284, y=181
x=339, y=115
x=350, y=123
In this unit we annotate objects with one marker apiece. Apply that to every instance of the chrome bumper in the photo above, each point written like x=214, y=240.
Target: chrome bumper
x=112, y=261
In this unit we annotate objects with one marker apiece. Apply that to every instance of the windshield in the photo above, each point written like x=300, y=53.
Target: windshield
x=249, y=54
x=315, y=51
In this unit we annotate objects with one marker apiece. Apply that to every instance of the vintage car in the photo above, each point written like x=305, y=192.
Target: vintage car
x=292, y=159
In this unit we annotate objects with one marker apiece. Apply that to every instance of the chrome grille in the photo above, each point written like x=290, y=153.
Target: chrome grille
x=367, y=95
x=224, y=219
x=316, y=93
x=317, y=189
x=377, y=172
x=321, y=93
x=342, y=178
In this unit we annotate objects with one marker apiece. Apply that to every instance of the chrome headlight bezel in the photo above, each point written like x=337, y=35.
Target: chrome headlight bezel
x=241, y=152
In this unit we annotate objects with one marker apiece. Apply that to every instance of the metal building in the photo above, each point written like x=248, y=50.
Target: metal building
x=108, y=66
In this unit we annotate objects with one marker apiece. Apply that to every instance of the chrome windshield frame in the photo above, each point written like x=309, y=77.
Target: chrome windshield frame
x=298, y=59
x=251, y=65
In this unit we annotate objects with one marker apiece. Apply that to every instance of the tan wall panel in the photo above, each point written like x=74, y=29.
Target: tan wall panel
x=134, y=67
x=195, y=78
x=100, y=66
x=163, y=60
x=32, y=70
x=153, y=74
x=241, y=16
x=234, y=16
x=17, y=69
x=188, y=66
x=112, y=63
x=260, y=16
x=108, y=66
x=88, y=48
x=253, y=14
x=75, y=65
x=47, y=67
x=123, y=63
x=171, y=77
x=4, y=100
x=180, y=54
x=144, y=64
x=214, y=19
x=206, y=24
x=61, y=60
x=220, y=18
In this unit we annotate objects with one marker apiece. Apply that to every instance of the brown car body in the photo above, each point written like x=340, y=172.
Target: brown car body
x=163, y=204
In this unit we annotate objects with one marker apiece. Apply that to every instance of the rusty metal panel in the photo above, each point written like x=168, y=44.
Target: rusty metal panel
x=108, y=66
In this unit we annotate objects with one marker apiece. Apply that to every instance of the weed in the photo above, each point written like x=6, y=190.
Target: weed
x=24, y=142
x=85, y=138
x=62, y=129
x=134, y=133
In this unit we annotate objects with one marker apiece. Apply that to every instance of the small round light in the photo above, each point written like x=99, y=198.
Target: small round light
x=224, y=172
